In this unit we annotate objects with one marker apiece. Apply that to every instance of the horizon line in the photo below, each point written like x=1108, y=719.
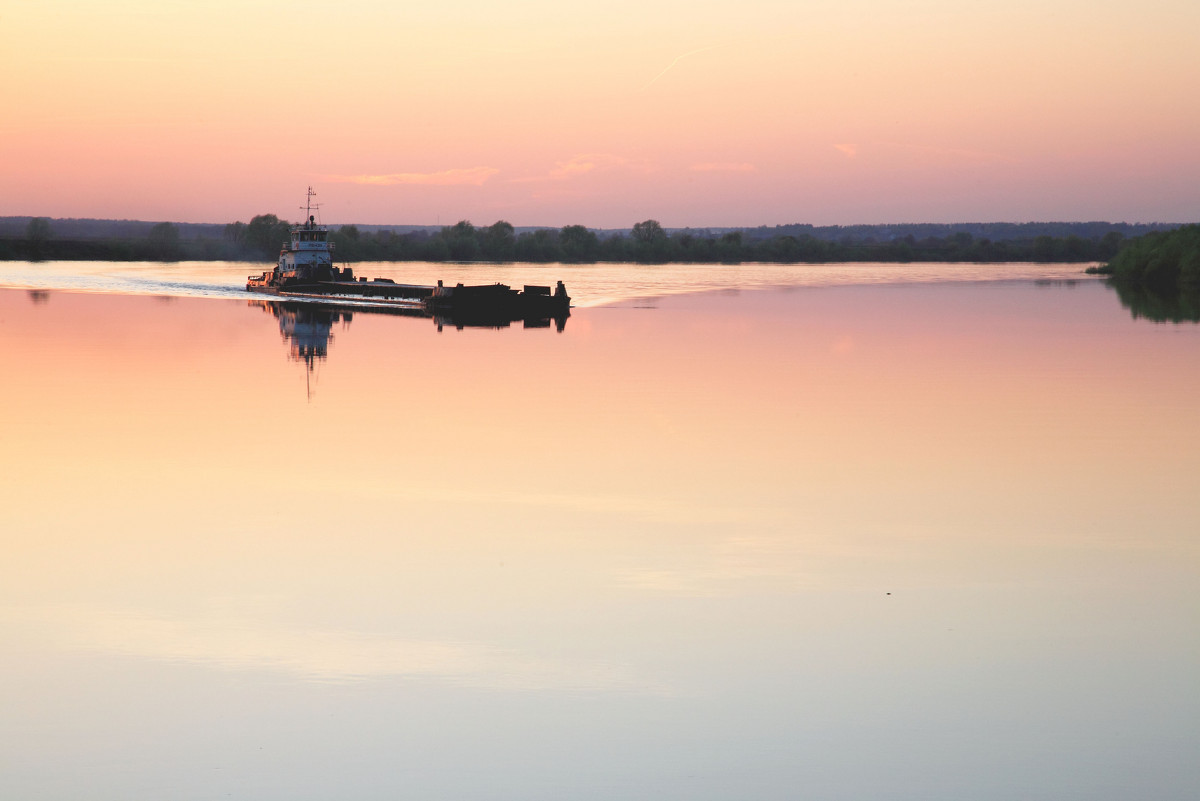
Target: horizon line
x=438, y=225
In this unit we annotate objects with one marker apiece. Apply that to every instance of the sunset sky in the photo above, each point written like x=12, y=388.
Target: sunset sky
x=701, y=113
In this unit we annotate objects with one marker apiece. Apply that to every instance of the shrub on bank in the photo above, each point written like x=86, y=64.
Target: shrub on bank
x=1162, y=260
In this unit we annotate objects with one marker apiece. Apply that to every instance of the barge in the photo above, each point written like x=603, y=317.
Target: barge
x=306, y=271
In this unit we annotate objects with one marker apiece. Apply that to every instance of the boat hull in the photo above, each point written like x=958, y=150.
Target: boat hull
x=489, y=305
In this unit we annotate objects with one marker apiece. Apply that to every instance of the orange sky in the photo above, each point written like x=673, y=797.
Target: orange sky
x=603, y=113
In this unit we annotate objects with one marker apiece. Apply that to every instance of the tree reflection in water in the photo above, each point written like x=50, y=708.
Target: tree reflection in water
x=1159, y=305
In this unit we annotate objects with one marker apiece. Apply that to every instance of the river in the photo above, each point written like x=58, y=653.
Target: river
x=759, y=532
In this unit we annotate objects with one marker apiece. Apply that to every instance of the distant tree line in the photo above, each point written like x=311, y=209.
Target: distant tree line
x=258, y=240
x=647, y=242
x=94, y=229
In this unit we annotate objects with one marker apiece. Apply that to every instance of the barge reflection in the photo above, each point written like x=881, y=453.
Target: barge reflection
x=307, y=328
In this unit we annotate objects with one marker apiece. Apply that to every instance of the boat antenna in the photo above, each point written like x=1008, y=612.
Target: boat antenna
x=310, y=206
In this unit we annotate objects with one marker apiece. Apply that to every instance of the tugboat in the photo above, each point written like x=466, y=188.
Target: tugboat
x=306, y=271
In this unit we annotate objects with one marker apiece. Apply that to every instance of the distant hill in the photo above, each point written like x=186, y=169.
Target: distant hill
x=94, y=229
x=994, y=231
x=86, y=229
x=857, y=234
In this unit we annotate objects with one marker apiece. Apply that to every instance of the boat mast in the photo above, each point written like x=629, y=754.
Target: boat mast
x=310, y=207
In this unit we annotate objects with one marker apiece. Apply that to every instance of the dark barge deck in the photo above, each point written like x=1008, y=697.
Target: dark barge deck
x=488, y=305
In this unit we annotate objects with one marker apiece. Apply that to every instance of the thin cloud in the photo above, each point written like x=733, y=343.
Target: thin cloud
x=965, y=154
x=673, y=63
x=851, y=151
x=723, y=166
x=470, y=176
x=248, y=644
x=783, y=565
x=577, y=166
x=585, y=164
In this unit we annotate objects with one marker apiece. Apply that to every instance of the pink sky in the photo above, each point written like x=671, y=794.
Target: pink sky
x=603, y=113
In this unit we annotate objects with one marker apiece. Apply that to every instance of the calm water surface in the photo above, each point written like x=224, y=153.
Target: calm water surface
x=904, y=539
x=589, y=284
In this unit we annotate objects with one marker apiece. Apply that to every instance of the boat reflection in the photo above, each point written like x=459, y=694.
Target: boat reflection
x=308, y=327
